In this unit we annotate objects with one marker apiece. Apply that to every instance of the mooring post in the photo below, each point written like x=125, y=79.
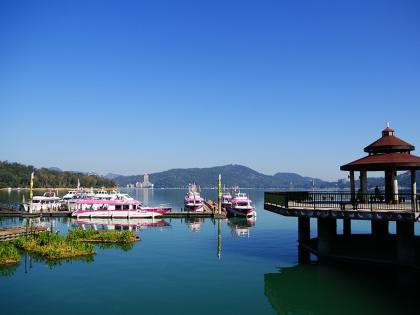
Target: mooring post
x=219, y=195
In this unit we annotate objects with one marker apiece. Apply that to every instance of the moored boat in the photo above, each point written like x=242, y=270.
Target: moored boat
x=116, y=208
x=111, y=209
x=226, y=199
x=241, y=205
x=193, y=200
x=47, y=202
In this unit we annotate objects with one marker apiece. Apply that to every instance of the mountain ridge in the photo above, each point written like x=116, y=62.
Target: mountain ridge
x=232, y=175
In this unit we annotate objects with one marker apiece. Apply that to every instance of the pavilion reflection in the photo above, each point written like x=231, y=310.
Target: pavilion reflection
x=194, y=224
x=330, y=289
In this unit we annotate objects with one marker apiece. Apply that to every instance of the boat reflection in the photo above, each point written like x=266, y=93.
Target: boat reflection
x=194, y=224
x=240, y=227
x=133, y=224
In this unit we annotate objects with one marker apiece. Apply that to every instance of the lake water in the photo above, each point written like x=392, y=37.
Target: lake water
x=179, y=267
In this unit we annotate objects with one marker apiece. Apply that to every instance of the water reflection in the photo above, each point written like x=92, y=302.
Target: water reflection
x=120, y=224
x=240, y=227
x=194, y=224
x=8, y=270
x=337, y=289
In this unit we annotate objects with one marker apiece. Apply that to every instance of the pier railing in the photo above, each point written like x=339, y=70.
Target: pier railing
x=344, y=201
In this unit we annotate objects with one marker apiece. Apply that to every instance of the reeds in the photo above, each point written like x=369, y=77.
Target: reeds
x=53, y=246
x=91, y=235
x=8, y=254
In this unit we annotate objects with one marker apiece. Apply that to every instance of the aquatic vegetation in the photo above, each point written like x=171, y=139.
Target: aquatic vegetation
x=125, y=247
x=8, y=270
x=8, y=254
x=91, y=235
x=54, y=246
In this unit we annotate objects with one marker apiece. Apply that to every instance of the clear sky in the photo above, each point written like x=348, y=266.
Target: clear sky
x=143, y=86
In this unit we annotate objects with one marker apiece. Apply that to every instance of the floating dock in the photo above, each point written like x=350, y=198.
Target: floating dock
x=11, y=233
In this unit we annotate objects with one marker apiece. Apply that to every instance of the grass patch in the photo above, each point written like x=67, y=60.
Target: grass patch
x=53, y=246
x=91, y=235
x=8, y=254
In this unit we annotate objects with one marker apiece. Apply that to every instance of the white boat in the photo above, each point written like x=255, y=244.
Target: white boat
x=113, y=209
x=47, y=202
x=102, y=194
x=72, y=194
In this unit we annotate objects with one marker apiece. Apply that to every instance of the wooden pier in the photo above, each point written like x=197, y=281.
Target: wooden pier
x=11, y=233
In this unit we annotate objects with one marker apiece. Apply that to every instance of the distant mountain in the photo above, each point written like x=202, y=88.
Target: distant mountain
x=112, y=175
x=232, y=175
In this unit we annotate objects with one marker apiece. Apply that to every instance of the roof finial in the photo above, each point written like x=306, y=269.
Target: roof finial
x=387, y=124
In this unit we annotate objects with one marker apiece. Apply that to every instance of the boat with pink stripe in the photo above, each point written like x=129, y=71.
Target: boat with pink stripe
x=120, y=208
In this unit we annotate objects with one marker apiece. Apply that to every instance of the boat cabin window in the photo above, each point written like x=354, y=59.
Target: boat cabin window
x=117, y=207
x=126, y=207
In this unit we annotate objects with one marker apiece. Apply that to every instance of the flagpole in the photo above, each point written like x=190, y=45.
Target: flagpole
x=31, y=194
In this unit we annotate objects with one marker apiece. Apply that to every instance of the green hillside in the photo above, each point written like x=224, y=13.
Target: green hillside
x=18, y=175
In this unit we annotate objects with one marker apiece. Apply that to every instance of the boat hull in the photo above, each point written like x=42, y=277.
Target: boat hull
x=241, y=212
x=196, y=208
x=115, y=214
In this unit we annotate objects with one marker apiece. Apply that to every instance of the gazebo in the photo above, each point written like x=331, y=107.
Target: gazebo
x=389, y=154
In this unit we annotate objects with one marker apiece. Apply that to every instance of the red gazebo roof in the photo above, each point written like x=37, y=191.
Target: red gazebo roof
x=388, y=152
x=389, y=143
x=380, y=162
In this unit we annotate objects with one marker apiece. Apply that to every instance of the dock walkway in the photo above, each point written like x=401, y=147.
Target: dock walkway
x=11, y=233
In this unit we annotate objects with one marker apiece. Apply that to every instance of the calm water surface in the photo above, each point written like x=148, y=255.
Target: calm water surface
x=176, y=269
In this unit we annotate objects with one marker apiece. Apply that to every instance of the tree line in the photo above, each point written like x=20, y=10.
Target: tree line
x=18, y=175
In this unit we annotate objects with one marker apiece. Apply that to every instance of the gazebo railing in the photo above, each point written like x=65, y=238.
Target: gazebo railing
x=344, y=200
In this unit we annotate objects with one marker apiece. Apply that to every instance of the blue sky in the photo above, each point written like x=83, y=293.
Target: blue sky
x=144, y=86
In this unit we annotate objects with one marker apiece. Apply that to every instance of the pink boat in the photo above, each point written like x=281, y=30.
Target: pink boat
x=242, y=206
x=125, y=208
x=193, y=200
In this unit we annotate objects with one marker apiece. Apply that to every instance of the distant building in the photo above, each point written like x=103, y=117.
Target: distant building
x=130, y=186
x=146, y=183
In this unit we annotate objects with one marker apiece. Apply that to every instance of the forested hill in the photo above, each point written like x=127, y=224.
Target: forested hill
x=18, y=175
x=232, y=175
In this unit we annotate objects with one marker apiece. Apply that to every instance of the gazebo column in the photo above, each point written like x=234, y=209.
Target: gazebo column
x=352, y=186
x=413, y=190
x=363, y=184
x=363, y=181
x=388, y=185
x=395, y=185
